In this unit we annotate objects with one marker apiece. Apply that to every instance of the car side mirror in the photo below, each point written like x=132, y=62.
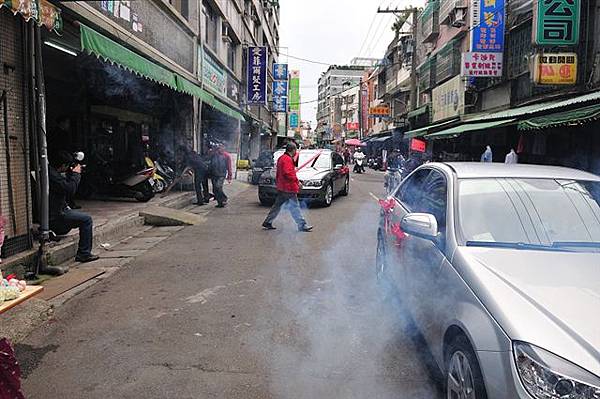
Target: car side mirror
x=422, y=225
x=339, y=166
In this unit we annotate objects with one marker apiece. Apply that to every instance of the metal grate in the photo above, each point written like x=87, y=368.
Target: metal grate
x=519, y=43
x=15, y=245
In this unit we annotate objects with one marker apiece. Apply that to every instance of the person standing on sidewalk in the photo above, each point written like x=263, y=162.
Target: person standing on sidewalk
x=200, y=164
x=64, y=179
x=220, y=169
x=288, y=187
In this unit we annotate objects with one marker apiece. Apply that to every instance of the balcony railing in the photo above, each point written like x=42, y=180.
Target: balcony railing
x=428, y=22
x=447, y=61
x=427, y=74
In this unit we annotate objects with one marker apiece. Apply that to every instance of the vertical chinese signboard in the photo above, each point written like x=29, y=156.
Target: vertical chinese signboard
x=295, y=91
x=556, y=22
x=280, y=71
x=364, y=98
x=257, y=76
x=487, y=34
x=280, y=91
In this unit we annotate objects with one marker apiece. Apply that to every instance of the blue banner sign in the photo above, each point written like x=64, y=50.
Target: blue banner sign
x=257, y=75
x=280, y=88
x=487, y=35
x=279, y=104
x=280, y=71
x=294, y=122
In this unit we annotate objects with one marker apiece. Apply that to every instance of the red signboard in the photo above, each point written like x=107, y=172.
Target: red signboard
x=352, y=126
x=418, y=145
x=365, y=107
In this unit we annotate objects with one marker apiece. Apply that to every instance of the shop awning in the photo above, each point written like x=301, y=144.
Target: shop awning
x=471, y=127
x=419, y=111
x=425, y=130
x=535, y=108
x=41, y=11
x=573, y=117
x=111, y=51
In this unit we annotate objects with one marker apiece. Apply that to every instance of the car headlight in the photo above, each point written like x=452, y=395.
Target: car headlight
x=547, y=376
x=312, y=183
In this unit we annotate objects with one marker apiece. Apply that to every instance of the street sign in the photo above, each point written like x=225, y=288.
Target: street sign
x=556, y=22
x=555, y=69
x=294, y=120
x=257, y=75
x=280, y=71
x=479, y=64
x=487, y=19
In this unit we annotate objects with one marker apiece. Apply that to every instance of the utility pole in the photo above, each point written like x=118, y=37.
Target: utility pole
x=414, y=11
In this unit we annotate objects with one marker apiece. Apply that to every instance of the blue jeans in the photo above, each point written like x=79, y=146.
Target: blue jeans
x=71, y=219
x=294, y=207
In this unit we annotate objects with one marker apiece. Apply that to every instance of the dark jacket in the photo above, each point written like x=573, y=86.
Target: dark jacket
x=200, y=163
x=220, y=165
x=286, y=179
x=60, y=187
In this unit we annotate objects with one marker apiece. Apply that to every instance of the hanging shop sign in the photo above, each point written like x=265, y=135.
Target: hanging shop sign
x=556, y=22
x=41, y=11
x=233, y=89
x=213, y=75
x=487, y=34
x=555, y=69
x=479, y=64
x=295, y=91
x=448, y=99
x=350, y=126
x=280, y=92
x=280, y=71
x=364, y=98
x=257, y=75
x=418, y=145
x=379, y=111
x=294, y=120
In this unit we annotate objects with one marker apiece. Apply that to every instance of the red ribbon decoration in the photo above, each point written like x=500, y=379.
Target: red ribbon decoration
x=309, y=161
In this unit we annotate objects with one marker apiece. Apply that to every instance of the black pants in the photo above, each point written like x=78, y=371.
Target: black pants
x=201, y=186
x=71, y=219
x=291, y=200
x=217, y=183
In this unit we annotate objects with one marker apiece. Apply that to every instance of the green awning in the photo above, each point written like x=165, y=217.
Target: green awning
x=573, y=117
x=458, y=130
x=111, y=51
x=419, y=111
x=425, y=130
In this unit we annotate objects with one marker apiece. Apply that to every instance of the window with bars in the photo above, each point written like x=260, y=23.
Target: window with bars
x=448, y=61
x=428, y=22
x=427, y=74
x=519, y=43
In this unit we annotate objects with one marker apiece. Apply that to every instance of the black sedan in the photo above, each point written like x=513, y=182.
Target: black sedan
x=323, y=175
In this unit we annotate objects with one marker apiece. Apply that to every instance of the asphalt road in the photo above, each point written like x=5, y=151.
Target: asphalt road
x=226, y=310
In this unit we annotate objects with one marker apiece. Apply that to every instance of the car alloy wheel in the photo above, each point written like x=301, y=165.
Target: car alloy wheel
x=328, y=195
x=460, y=381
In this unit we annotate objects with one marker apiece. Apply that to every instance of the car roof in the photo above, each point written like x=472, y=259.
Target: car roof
x=323, y=150
x=470, y=170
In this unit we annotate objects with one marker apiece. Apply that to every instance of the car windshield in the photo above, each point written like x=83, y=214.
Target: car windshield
x=323, y=161
x=530, y=213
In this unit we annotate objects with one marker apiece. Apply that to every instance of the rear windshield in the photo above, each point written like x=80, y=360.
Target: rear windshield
x=533, y=211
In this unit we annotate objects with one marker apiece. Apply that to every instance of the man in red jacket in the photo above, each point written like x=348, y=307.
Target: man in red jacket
x=288, y=187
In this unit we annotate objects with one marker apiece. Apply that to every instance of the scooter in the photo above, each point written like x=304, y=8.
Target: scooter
x=358, y=165
x=99, y=180
x=162, y=177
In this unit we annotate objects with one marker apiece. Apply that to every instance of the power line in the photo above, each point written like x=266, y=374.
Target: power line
x=369, y=30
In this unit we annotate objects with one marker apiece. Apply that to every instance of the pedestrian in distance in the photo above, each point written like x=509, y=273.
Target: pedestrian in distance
x=220, y=170
x=511, y=157
x=288, y=187
x=200, y=165
x=487, y=155
x=64, y=179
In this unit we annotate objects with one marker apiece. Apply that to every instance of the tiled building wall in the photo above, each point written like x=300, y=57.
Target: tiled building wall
x=12, y=82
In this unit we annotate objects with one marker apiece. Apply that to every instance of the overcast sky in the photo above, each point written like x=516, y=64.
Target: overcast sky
x=332, y=31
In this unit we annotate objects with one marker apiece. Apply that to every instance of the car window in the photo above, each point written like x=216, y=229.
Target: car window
x=337, y=159
x=434, y=199
x=409, y=193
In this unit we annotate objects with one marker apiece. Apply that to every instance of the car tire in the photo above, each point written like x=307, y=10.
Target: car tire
x=463, y=376
x=265, y=201
x=328, y=198
x=346, y=188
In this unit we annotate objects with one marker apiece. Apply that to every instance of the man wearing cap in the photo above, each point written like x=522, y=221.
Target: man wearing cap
x=288, y=187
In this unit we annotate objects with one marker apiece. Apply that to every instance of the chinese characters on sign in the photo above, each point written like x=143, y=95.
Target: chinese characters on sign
x=481, y=64
x=364, y=98
x=487, y=34
x=280, y=71
x=280, y=90
x=213, y=75
x=418, y=145
x=556, y=22
x=350, y=126
x=294, y=120
x=555, y=69
x=448, y=99
x=379, y=111
x=257, y=75
x=295, y=91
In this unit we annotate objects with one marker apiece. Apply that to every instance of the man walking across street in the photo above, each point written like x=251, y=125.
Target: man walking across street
x=200, y=164
x=64, y=180
x=288, y=187
x=220, y=169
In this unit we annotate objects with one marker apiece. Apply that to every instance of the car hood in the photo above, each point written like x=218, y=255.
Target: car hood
x=311, y=174
x=548, y=298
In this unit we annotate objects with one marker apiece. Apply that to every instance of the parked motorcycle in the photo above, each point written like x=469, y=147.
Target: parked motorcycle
x=99, y=179
x=163, y=174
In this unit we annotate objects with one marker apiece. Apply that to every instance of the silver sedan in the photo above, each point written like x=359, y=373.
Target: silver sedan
x=499, y=267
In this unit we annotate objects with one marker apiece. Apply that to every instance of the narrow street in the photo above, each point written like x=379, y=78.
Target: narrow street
x=226, y=310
